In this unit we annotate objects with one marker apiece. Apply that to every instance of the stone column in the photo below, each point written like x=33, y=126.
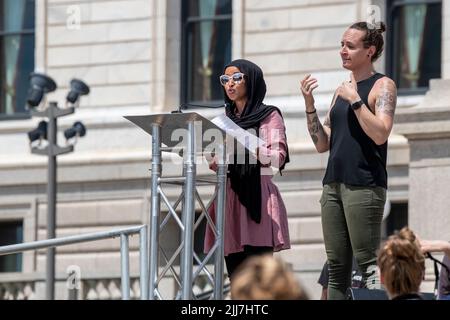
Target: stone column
x=427, y=128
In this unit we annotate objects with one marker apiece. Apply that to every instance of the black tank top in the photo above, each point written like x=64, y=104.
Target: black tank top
x=355, y=159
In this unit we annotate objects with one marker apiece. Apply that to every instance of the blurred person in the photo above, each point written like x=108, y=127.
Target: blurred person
x=443, y=285
x=265, y=278
x=356, y=281
x=402, y=265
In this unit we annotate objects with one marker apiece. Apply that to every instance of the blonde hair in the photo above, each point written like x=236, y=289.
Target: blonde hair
x=265, y=278
x=402, y=263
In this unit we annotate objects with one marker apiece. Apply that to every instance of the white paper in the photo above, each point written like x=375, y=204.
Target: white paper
x=248, y=140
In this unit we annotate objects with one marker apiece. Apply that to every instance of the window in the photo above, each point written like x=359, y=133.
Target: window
x=16, y=55
x=414, y=39
x=206, y=48
x=11, y=232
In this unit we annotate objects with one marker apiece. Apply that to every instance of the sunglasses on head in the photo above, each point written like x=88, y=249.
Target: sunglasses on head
x=236, y=77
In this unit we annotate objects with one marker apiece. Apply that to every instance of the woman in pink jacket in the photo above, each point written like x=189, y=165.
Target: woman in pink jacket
x=255, y=215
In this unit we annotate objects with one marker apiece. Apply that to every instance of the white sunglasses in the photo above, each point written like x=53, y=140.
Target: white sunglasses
x=236, y=77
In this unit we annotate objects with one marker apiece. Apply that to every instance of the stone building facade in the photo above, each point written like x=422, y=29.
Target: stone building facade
x=130, y=53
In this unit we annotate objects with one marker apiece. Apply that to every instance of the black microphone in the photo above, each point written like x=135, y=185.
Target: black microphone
x=184, y=106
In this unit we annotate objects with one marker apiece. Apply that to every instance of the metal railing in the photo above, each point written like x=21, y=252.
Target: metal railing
x=123, y=233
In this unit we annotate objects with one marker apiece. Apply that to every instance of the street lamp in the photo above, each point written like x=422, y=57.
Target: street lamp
x=40, y=84
x=77, y=89
x=77, y=130
x=39, y=133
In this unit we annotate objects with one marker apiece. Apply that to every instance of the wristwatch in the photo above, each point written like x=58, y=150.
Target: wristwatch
x=356, y=105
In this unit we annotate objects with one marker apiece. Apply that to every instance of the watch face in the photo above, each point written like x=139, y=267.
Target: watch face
x=357, y=105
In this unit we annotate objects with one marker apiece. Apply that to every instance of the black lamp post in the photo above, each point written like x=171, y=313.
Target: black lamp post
x=40, y=85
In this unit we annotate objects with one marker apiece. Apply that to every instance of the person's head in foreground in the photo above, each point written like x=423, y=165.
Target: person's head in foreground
x=265, y=278
x=402, y=265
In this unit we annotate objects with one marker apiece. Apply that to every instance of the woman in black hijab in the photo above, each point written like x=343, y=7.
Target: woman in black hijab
x=255, y=215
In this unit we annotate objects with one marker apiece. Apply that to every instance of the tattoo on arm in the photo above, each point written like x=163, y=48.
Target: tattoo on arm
x=387, y=100
x=327, y=122
x=314, y=128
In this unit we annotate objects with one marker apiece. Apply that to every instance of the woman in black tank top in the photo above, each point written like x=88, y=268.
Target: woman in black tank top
x=355, y=131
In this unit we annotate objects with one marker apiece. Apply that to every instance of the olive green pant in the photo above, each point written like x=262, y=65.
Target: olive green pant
x=351, y=223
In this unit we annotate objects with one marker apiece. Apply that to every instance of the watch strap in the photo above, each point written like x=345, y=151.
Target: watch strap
x=356, y=105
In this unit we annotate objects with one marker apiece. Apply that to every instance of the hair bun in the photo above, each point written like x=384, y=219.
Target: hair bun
x=381, y=28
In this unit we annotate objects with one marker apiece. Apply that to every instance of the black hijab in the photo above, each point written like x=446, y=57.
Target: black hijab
x=246, y=178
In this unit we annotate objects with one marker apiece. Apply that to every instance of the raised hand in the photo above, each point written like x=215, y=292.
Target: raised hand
x=307, y=85
x=348, y=90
